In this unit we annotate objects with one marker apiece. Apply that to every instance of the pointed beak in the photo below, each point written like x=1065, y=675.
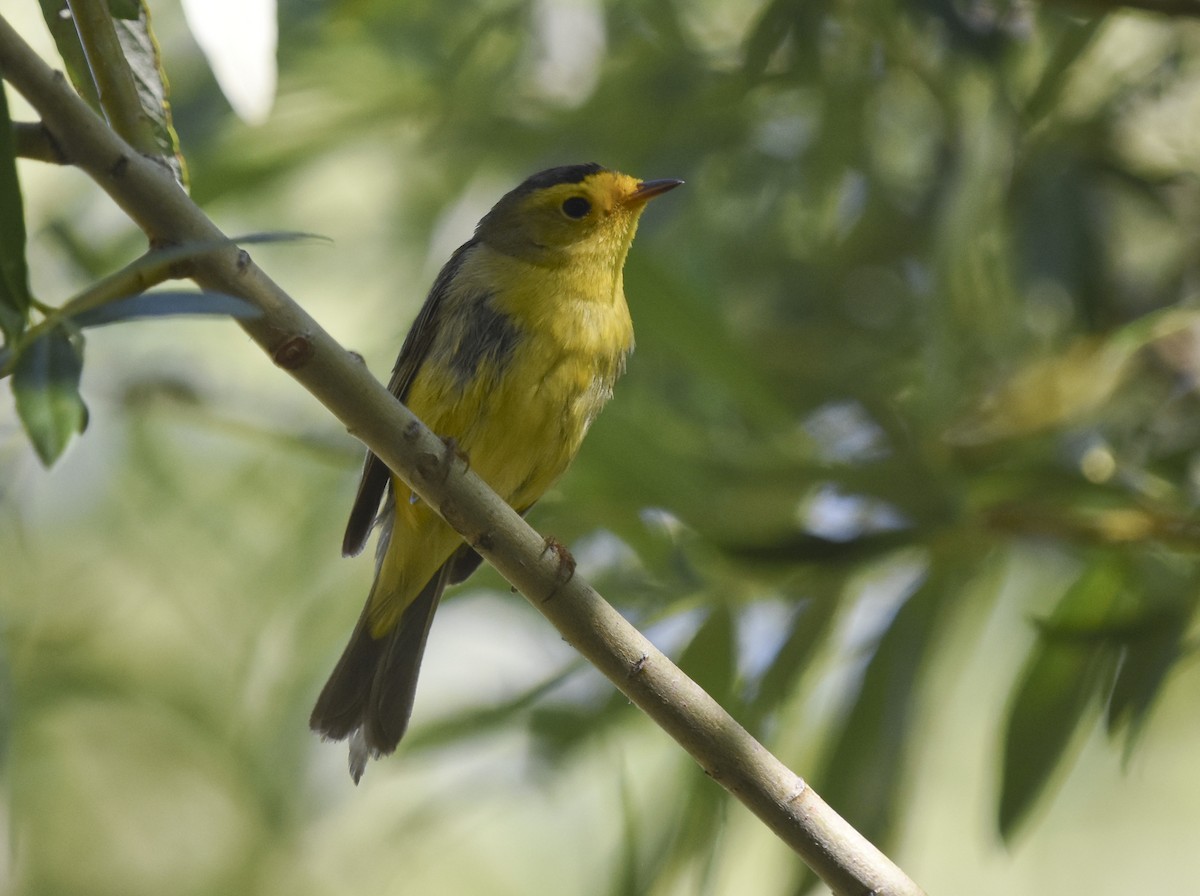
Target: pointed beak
x=648, y=189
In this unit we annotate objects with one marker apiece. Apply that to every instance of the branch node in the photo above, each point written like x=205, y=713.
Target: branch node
x=801, y=789
x=566, y=564
x=294, y=353
x=412, y=430
x=243, y=261
x=430, y=467
x=453, y=450
x=36, y=141
x=450, y=513
x=55, y=146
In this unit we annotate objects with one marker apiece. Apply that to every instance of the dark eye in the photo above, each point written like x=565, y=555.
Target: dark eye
x=576, y=207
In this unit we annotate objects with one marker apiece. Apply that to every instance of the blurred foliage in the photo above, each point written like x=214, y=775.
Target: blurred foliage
x=915, y=391
x=14, y=277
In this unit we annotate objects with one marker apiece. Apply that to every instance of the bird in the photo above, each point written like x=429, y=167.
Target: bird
x=516, y=349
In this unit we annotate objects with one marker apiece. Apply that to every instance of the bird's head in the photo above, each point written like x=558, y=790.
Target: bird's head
x=567, y=213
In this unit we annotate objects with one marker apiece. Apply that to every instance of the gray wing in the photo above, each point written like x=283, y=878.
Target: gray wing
x=375, y=475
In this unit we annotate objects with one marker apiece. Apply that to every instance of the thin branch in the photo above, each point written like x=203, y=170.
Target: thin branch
x=110, y=70
x=149, y=270
x=33, y=141
x=846, y=861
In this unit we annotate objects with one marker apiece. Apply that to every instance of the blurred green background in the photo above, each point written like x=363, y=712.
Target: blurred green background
x=904, y=469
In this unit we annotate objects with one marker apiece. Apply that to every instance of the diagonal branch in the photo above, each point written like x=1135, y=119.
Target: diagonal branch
x=847, y=862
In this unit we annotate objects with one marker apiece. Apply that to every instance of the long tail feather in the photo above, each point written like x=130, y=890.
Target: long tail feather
x=369, y=697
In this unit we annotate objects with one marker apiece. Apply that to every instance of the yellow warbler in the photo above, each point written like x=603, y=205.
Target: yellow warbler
x=513, y=354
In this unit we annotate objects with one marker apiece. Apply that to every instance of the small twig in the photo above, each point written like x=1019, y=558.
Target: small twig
x=33, y=141
x=139, y=275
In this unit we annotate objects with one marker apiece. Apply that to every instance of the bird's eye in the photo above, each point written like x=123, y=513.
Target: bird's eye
x=576, y=207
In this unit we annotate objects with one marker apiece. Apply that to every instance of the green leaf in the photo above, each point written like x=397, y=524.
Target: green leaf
x=863, y=775
x=1143, y=670
x=153, y=262
x=118, y=296
x=1062, y=676
x=166, y=303
x=701, y=817
x=132, y=21
x=125, y=9
x=1075, y=39
x=14, y=275
x=62, y=28
x=710, y=657
x=627, y=876
x=476, y=720
x=46, y=387
x=774, y=26
x=807, y=630
x=1153, y=641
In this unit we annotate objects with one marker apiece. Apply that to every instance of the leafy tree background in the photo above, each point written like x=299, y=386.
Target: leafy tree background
x=904, y=469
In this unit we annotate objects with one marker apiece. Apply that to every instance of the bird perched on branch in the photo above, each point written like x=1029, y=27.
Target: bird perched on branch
x=512, y=356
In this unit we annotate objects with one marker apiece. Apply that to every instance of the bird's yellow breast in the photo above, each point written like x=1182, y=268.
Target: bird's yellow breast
x=531, y=358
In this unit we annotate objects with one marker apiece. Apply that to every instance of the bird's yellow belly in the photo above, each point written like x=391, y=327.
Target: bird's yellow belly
x=530, y=422
x=519, y=427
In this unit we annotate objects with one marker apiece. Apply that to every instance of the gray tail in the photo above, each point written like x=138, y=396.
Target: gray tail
x=369, y=696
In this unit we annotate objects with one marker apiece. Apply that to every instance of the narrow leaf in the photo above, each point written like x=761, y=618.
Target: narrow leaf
x=710, y=657
x=807, y=629
x=158, y=259
x=774, y=26
x=1061, y=678
x=1154, y=641
x=132, y=21
x=46, y=387
x=152, y=269
x=280, y=236
x=14, y=275
x=1143, y=670
x=164, y=304
x=62, y=28
x=866, y=762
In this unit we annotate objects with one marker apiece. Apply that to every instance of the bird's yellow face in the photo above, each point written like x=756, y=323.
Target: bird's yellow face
x=569, y=213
